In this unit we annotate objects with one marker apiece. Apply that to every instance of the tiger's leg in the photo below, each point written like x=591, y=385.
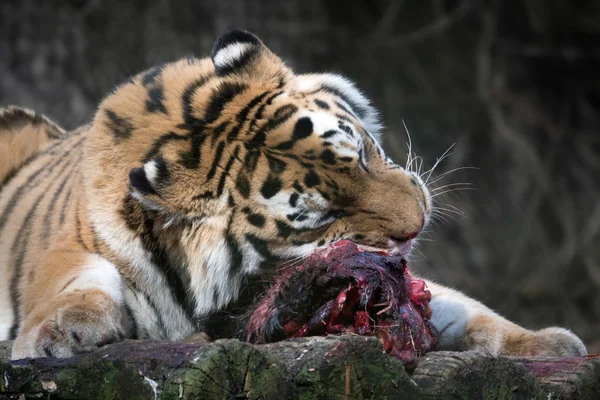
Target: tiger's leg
x=72, y=306
x=466, y=324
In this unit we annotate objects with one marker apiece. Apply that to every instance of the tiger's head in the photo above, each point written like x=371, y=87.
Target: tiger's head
x=231, y=164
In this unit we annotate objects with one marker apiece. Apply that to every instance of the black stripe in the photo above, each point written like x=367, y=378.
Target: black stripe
x=281, y=115
x=159, y=315
x=20, y=245
x=322, y=104
x=259, y=112
x=175, y=277
x=216, y=160
x=151, y=76
x=12, y=173
x=284, y=230
x=222, y=95
x=294, y=199
x=12, y=203
x=191, y=159
x=271, y=186
x=235, y=254
x=251, y=160
x=357, y=108
x=243, y=115
x=226, y=170
x=45, y=234
x=260, y=245
x=298, y=187
x=96, y=241
x=302, y=130
x=242, y=184
x=160, y=142
x=298, y=216
x=121, y=127
x=155, y=101
x=328, y=157
x=217, y=132
x=190, y=121
x=329, y=134
x=311, y=179
x=131, y=317
x=256, y=219
x=175, y=280
x=276, y=165
x=78, y=225
x=63, y=209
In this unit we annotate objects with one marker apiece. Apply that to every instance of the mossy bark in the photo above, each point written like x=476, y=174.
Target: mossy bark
x=346, y=367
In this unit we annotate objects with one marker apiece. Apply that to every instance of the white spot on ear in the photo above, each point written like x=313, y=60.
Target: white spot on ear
x=151, y=171
x=228, y=55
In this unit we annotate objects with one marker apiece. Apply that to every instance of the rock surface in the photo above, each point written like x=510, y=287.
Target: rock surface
x=334, y=367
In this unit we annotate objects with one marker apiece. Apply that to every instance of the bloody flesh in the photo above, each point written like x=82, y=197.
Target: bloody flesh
x=340, y=289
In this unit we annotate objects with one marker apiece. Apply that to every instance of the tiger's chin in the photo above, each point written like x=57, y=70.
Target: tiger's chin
x=394, y=247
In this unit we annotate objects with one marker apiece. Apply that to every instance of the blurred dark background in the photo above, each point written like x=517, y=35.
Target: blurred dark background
x=515, y=84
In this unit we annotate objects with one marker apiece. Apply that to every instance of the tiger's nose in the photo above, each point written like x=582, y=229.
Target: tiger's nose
x=405, y=238
x=410, y=236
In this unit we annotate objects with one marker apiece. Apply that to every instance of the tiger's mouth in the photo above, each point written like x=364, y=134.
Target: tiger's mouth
x=395, y=247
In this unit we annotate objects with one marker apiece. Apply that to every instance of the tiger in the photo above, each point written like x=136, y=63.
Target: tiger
x=192, y=178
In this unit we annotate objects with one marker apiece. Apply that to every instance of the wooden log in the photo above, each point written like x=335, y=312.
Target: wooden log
x=565, y=378
x=334, y=367
x=324, y=367
x=473, y=375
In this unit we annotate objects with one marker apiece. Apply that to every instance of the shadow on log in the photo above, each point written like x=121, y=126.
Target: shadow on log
x=334, y=367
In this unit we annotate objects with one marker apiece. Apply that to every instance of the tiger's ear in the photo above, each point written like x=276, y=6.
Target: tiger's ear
x=242, y=53
x=151, y=179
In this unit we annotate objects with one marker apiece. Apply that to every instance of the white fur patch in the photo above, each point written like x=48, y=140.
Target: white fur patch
x=450, y=318
x=98, y=273
x=228, y=55
x=369, y=117
x=151, y=171
x=278, y=205
x=128, y=246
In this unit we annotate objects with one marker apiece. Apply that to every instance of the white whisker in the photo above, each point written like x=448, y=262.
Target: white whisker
x=409, y=144
x=449, y=185
x=437, y=178
x=438, y=161
x=451, y=190
x=451, y=211
x=301, y=213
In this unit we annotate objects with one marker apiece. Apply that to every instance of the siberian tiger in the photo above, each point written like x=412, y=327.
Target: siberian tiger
x=193, y=177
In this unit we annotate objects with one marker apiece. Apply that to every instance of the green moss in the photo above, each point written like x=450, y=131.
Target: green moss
x=350, y=368
x=230, y=369
x=103, y=380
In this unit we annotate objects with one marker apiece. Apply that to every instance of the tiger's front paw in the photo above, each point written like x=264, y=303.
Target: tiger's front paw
x=503, y=338
x=551, y=342
x=88, y=321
